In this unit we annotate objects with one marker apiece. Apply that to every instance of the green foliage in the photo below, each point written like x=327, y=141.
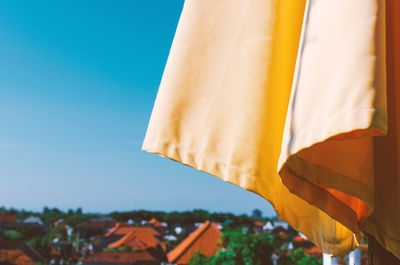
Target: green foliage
x=75, y=220
x=108, y=249
x=72, y=218
x=51, y=215
x=33, y=242
x=183, y=218
x=3, y=210
x=240, y=249
x=247, y=249
x=363, y=239
x=22, y=214
x=200, y=259
x=298, y=257
x=12, y=234
x=57, y=231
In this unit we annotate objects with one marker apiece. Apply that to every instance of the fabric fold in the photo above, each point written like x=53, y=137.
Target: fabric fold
x=296, y=101
x=335, y=154
x=223, y=100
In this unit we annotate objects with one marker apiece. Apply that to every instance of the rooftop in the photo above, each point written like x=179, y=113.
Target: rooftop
x=204, y=239
x=11, y=218
x=120, y=258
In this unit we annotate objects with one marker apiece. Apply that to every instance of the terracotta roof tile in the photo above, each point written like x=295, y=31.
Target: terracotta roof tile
x=258, y=223
x=205, y=239
x=123, y=229
x=12, y=218
x=146, y=239
x=135, y=237
x=15, y=257
x=135, y=243
x=155, y=223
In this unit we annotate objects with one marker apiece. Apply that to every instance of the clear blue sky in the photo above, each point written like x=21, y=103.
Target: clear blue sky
x=78, y=80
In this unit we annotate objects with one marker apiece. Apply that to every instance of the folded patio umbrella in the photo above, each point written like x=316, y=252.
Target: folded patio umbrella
x=285, y=99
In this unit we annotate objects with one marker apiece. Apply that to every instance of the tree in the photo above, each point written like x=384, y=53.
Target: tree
x=256, y=214
x=298, y=257
x=79, y=211
x=240, y=249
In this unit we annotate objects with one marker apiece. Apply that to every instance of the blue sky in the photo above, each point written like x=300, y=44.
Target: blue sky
x=77, y=84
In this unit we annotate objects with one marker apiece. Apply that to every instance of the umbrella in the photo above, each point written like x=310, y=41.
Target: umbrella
x=295, y=101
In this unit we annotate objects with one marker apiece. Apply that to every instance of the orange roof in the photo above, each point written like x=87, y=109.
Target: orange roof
x=8, y=218
x=120, y=257
x=135, y=243
x=205, y=239
x=138, y=239
x=258, y=223
x=15, y=257
x=155, y=223
x=123, y=229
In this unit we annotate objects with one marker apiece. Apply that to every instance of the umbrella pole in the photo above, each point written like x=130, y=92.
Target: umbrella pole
x=377, y=255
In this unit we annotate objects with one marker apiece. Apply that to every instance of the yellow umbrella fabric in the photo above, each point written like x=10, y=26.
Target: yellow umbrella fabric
x=227, y=91
x=328, y=155
x=384, y=221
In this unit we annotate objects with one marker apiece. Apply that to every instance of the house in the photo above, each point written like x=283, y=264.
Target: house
x=97, y=226
x=33, y=220
x=157, y=225
x=282, y=224
x=8, y=221
x=170, y=238
x=122, y=258
x=126, y=244
x=135, y=237
x=268, y=227
x=136, y=240
x=258, y=227
x=103, y=222
x=219, y=226
x=17, y=253
x=34, y=224
x=123, y=229
x=178, y=230
x=8, y=218
x=15, y=257
x=154, y=222
x=205, y=239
